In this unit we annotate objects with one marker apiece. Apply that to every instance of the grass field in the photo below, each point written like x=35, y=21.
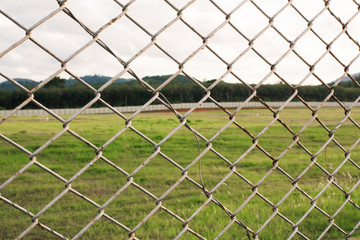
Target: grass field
x=67, y=155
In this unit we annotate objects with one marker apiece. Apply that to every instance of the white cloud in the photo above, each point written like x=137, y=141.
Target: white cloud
x=63, y=36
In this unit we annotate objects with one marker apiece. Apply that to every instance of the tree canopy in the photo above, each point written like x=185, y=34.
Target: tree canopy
x=57, y=94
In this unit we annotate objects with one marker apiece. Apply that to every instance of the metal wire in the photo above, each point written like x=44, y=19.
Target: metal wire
x=157, y=95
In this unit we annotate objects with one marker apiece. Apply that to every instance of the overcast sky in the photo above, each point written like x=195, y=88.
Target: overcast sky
x=63, y=36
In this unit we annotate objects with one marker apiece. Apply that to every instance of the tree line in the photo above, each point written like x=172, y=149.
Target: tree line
x=56, y=95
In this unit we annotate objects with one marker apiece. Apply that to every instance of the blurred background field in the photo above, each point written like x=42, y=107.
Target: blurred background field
x=67, y=155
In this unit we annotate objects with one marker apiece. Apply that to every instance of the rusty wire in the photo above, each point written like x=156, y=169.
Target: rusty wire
x=157, y=95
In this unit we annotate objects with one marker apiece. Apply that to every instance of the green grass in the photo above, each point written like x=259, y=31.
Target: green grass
x=67, y=155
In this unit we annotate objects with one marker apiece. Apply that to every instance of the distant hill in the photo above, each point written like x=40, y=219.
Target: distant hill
x=25, y=82
x=90, y=79
x=96, y=80
x=128, y=92
x=347, y=82
x=347, y=78
x=156, y=80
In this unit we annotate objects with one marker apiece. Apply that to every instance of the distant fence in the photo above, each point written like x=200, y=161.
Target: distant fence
x=178, y=106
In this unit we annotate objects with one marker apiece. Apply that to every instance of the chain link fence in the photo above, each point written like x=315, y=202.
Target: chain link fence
x=234, y=168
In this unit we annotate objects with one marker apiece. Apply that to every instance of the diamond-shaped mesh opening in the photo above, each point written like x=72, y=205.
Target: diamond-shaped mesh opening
x=254, y=165
x=276, y=158
x=70, y=209
x=275, y=194
x=313, y=181
x=271, y=51
x=99, y=182
x=157, y=226
x=57, y=156
x=255, y=213
x=20, y=11
x=347, y=175
x=321, y=223
x=343, y=9
x=196, y=17
x=331, y=157
x=143, y=11
x=277, y=227
x=290, y=17
x=135, y=39
x=328, y=61
x=330, y=118
x=122, y=95
x=150, y=175
x=7, y=25
x=249, y=60
x=321, y=26
x=228, y=43
x=80, y=124
x=343, y=49
x=140, y=205
x=228, y=197
x=183, y=206
x=197, y=66
x=295, y=117
x=91, y=57
x=153, y=62
x=292, y=69
x=283, y=91
x=331, y=200
x=38, y=186
x=49, y=38
x=213, y=170
x=351, y=28
x=12, y=221
x=259, y=118
x=101, y=12
x=182, y=147
x=240, y=143
x=177, y=45
x=13, y=160
x=295, y=206
x=17, y=129
x=278, y=144
x=205, y=224
x=167, y=120
x=208, y=123
x=128, y=151
x=316, y=7
x=106, y=228
x=270, y=9
x=310, y=55
x=346, y=219
x=291, y=167
x=30, y=62
x=249, y=13
x=318, y=223
x=313, y=138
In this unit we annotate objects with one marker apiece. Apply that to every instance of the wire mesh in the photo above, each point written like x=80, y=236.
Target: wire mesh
x=209, y=198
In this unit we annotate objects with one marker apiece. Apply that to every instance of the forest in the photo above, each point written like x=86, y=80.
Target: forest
x=62, y=93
